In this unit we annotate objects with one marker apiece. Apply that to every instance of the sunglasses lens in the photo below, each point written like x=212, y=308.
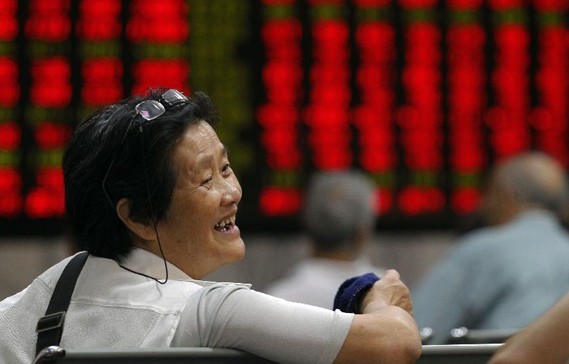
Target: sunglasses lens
x=172, y=97
x=150, y=109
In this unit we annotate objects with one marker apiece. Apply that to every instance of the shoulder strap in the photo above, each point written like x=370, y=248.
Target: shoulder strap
x=50, y=327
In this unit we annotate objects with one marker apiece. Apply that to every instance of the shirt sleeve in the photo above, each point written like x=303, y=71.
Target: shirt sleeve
x=233, y=316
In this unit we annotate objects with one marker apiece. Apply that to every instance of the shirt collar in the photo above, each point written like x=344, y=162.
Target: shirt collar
x=143, y=261
x=536, y=215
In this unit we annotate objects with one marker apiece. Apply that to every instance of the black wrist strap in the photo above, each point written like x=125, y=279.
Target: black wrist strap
x=50, y=327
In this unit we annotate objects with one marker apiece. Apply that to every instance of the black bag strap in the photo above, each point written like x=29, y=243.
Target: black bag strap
x=50, y=327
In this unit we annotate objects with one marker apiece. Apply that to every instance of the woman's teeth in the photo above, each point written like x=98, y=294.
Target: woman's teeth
x=225, y=224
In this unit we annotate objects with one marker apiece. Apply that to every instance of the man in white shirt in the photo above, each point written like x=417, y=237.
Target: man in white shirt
x=339, y=215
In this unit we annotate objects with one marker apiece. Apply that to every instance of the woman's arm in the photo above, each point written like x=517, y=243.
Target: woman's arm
x=385, y=332
x=543, y=341
x=233, y=316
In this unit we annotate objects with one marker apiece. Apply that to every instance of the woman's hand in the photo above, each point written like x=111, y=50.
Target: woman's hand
x=385, y=332
x=388, y=291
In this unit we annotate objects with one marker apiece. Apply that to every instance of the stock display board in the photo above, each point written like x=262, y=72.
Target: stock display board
x=422, y=95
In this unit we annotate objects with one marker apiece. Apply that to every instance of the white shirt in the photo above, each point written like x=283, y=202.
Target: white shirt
x=315, y=281
x=116, y=309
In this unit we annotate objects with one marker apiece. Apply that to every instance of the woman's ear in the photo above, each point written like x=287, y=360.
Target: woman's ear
x=143, y=231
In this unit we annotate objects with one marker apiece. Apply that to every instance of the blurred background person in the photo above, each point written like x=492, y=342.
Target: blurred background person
x=338, y=217
x=507, y=274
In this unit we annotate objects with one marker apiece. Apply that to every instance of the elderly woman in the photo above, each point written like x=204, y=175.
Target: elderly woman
x=152, y=198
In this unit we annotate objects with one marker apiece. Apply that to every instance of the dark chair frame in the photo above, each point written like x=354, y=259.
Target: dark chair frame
x=432, y=354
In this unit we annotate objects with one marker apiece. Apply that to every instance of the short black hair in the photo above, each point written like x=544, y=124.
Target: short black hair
x=97, y=141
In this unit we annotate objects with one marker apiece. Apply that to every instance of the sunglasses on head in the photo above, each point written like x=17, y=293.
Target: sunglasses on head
x=152, y=109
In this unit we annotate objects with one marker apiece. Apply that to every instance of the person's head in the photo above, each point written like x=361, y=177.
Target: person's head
x=339, y=211
x=531, y=180
x=125, y=175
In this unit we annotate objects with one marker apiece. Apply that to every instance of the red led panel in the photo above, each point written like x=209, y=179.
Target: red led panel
x=9, y=86
x=465, y=200
x=415, y=200
x=506, y=4
x=102, y=79
x=165, y=26
x=279, y=112
x=8, y=20
x=464, y=4
x=10, y=180
x=99, y=20
x=373, y=115
x=158, y=21
x=385, y=197
x=466, y=99
x=10, y=192
x=422, y=95
x=102, y=71
x=47, y=96
x=550, y=5
x=10, y=135
x=372, y=3
x=374, y=160
x=50, y=135
x=170, y=73
x=48, y=20
x=549, y=118
x=327, y=113
x=51, y=82
x=280, y=201
x=409, y=4
x=44, y=203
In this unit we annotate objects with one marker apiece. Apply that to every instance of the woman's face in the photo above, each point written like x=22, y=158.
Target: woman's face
x=199, y=234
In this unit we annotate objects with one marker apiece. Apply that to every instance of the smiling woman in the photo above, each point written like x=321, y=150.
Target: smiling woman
x=153, y=200
x=201, y=216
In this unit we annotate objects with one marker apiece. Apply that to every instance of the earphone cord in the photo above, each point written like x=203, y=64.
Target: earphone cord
x=153, y=220
x=163, y=258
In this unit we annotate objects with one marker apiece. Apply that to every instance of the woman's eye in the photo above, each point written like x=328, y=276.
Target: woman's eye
x=207, y=181
x=226, y=167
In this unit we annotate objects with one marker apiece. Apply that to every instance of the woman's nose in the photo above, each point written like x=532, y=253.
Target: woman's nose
x=231, y=192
